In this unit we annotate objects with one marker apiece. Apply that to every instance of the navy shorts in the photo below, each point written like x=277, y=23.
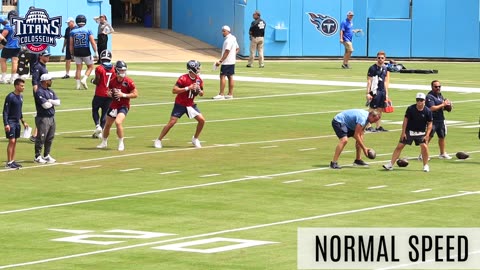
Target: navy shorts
x=14, y=131
x=227, y=70
x=341, y=129
x=179, y=110
x=68, y=55
x=440, y=128
x=378, y=101
x=417, y=139
x=8, y=53
x=114, y=112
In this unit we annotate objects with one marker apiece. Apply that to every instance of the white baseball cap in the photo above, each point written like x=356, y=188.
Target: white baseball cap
x=226, y=28
x=70, y=19
x=421, y=95
x=350, y=13
x=46, y=77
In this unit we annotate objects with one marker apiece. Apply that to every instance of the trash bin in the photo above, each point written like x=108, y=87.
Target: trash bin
x=148, y=20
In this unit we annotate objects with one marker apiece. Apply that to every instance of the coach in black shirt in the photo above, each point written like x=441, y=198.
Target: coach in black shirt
x=257, y=33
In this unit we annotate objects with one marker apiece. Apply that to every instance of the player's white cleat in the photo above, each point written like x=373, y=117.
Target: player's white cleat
x=121, y=146
x=196, y=143
x=102, y=145
x=157, y=143
x=49, y=159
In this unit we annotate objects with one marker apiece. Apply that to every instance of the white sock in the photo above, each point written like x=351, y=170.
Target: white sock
x=78, y=83
x=85, y=78
x=120, y=140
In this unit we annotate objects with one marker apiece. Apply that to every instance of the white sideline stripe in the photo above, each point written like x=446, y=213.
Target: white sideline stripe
x=335, y=184
x=210, y=175
x=347, y=212
x=377, y=187
x=292, y=181
x=269, y=146
x=421, y=190
x=129, y=170
x=90, y=167
x=307, y=149
x=170, y=172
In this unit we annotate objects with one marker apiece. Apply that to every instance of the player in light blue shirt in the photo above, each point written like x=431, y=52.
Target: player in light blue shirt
x=351, y=123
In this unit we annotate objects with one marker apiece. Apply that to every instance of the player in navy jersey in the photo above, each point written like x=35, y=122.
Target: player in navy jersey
x=104, y=73
x=66, y=44
x=121, y=90
x=416, y=127
x=377, y=87
x=11, y=48
x=12, y=116
x=81, y=39
x=187, y=87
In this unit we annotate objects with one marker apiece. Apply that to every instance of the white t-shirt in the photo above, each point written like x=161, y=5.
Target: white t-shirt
x=231, y=44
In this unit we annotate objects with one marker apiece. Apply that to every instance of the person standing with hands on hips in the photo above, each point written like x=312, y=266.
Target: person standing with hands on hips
x=257, y=33
x=187, y=87
x=230, y=49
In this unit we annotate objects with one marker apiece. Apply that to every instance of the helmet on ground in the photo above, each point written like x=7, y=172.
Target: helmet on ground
x=193, y=66
x=106, y=55
x=81, y=20
x=121, y=68
x=12, y=13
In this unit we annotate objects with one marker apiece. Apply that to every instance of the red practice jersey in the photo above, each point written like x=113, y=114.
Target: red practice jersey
x=186, y=98
x=104, y=76
x=125, y=86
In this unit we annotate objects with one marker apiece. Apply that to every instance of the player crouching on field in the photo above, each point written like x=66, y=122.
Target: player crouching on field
x=351, y=123
x=187, y=87
x=122, y=89
x=416, y=127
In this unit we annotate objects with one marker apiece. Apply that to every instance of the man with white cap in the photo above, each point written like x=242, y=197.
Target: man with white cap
x=417, y=125
x=66, y=41
x=227, y=61
x=45, y=102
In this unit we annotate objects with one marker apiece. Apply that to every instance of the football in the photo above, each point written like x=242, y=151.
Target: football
x=402, y=162
x=371, y=154
x=448, y=108
x=462, y=155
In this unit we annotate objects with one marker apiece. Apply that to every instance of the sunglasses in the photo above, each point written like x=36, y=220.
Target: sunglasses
x=437, y=86
x=420, y=99
x=380, y=57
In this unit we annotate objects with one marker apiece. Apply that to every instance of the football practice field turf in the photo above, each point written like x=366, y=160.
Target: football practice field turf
x=262, y=173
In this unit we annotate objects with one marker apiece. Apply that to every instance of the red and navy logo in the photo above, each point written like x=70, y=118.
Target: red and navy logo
x=37, y=30
x=325, y=24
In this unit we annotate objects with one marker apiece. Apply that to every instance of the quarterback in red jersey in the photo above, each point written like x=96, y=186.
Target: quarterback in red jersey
x=104, y=73
x=121, y=90
x=187, y=87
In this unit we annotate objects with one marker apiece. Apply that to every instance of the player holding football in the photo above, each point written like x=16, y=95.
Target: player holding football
x=104, y=73
x=121, y=89
x=187, y=87
x=437, y=104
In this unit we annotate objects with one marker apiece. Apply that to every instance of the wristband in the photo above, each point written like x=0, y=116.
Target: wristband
x=124, y=95
x=186, y=88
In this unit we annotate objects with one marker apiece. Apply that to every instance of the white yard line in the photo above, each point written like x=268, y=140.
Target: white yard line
x=335, y=184
x=210, y=175
x=292, y=181
x=377, y=187
x=259, y=226
x=129, y=170
x=421, y=190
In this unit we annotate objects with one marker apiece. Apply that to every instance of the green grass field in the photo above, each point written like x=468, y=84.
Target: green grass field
x=261, y=174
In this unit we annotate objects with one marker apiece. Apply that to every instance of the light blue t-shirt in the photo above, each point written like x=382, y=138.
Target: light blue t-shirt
x=352, y=117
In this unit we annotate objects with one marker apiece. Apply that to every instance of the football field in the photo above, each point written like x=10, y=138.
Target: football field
x=262, y=173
